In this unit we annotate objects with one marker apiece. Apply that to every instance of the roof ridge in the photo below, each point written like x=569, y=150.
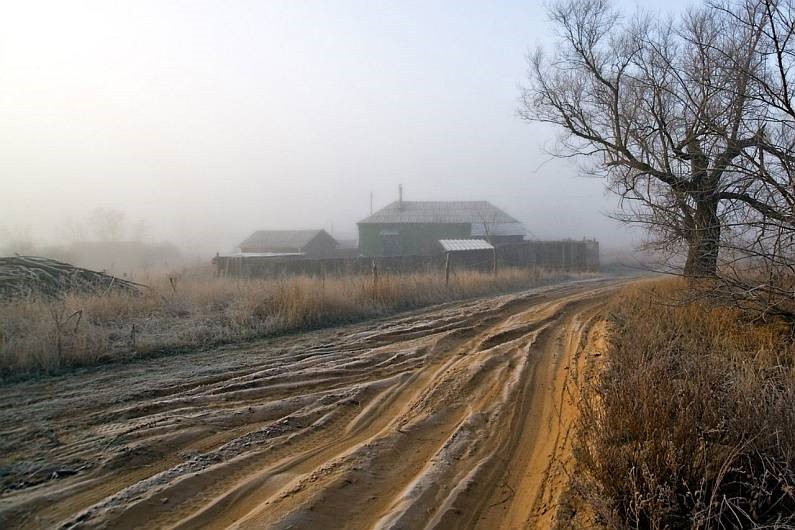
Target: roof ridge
x=283, y=238
x=454, y=212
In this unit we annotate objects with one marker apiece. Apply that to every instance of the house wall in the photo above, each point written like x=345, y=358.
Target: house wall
x=322, y=246
x=412, y=239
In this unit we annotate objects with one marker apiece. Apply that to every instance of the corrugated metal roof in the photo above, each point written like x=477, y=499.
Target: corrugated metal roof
x=440, y=212
x=261, y=254
x=281, y=239
x=456, y=245
x=498, y=229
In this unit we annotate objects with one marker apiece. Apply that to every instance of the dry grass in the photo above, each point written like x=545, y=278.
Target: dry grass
x=692, y=424
x=197, y=310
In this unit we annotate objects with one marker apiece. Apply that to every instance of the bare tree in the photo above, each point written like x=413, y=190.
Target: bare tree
x=659, y=109
x=16, y=240
x=108, y=225
x=488, y=223
x=759, y=262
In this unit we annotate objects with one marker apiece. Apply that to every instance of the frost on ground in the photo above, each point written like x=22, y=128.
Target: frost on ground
x=454, y=416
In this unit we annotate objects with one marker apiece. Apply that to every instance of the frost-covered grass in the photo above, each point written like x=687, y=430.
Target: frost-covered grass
x=195, y=310
x=692, y=422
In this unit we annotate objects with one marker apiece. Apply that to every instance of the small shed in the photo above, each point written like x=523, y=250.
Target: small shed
x=476, y=254
x=310, y=243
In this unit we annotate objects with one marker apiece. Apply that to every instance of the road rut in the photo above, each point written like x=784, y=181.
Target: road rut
x=456, y=416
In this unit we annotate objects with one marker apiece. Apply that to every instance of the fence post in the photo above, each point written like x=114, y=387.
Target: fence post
x=447, y=268
x=375, y=276
x=494, y=260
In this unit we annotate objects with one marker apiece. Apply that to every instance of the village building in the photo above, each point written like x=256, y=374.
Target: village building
x=415, y=227
x=308, y=243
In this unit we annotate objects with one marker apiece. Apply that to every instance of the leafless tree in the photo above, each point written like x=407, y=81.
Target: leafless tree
x=758, y=266
x=689, y=119
x=108, y=225
x=488, y=223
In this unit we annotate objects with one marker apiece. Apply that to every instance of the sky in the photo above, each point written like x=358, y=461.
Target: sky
x=205, y=120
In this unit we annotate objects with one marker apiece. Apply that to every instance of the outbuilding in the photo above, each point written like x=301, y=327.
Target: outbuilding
x=309, y=243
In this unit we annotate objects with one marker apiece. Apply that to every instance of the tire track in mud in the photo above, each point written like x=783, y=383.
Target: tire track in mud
x=454, y=416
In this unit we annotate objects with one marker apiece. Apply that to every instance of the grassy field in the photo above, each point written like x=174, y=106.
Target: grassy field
x=195, y=310
x=692, y=422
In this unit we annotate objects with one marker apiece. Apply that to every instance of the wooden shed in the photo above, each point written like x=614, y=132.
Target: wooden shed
x=309, y=243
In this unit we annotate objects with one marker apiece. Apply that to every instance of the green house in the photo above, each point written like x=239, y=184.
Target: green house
x=405, y=228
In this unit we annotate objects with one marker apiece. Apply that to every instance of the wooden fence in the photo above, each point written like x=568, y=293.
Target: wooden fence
x=566, y=255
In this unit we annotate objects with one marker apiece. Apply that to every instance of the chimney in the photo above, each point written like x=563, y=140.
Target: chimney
x=400, y=196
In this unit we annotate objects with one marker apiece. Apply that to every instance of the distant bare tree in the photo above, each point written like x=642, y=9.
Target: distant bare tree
x=16, y=240
x=72, y=230
x=139, y=230
x=488, y=221
x=108, y=225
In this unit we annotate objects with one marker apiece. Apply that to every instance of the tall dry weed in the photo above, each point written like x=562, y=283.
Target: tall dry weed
x=194, y=309
x=692, y=422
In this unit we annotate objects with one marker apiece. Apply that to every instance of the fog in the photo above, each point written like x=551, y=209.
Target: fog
x=203, y=121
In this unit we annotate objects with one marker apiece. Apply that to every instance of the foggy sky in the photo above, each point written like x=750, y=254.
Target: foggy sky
x=208, y=120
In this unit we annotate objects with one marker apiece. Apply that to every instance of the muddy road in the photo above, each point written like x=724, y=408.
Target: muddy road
x=457, y=416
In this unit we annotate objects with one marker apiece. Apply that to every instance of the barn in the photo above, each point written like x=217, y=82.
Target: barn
x=309, y=243
x=415, y=227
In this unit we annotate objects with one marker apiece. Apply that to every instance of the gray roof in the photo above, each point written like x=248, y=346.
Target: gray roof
x=498, y=229
x=348, y=243
x=440, y=212
x=296, y=239
x=456, y=245
x=260, y=254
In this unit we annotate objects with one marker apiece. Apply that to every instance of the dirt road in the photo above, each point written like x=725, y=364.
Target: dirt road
x=456, y=416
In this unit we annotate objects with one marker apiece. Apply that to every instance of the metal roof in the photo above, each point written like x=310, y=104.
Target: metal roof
x=473, y=212
x=348, y=243
x=281, y=239
x=456, y=245
x=498, y=229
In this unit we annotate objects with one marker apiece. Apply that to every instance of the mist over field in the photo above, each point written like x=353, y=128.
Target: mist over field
x=398, y=264
x=203, y=121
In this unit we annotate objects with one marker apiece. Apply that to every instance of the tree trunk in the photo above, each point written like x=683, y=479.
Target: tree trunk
x=704, y=241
